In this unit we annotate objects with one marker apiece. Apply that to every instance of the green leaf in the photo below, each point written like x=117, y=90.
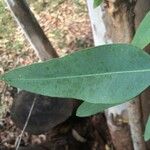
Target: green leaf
x=106, y=74
x=97, y=3
x=88, y=109
x=142, y=36
x=147, y=131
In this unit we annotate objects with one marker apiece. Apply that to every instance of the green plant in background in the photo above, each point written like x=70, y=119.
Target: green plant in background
x=97, y=3
x=102, y=76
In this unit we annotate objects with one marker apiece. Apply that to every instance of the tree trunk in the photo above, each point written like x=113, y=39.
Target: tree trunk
x=120, y=23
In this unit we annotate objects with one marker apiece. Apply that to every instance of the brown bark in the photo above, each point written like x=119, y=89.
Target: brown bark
x=119, y=22
x=119, y=130
x=121, y=18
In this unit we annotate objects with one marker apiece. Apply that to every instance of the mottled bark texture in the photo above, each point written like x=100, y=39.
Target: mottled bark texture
x=119, y=22
x=121, y=18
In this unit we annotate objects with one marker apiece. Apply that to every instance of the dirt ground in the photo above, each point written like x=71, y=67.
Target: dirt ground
x=67, y=26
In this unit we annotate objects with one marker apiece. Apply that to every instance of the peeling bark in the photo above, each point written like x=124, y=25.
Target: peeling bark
x=121, y=28
x=119, y=128
x=114, y=25
x=121, y=18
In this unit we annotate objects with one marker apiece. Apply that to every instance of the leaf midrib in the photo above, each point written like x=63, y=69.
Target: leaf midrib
x=87, y=75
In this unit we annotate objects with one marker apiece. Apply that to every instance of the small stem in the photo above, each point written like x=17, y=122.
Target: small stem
x=18, y=141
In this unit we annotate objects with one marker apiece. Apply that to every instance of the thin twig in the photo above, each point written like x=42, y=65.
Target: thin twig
x=18, y=141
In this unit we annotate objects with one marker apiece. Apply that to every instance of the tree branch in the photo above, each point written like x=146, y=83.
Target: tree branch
x=32, y=29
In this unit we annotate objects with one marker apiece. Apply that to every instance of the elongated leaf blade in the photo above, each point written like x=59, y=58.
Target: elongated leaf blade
x=142, y=36
x=88, y=109
x=147, y=131
x=105, y=74
x=97, y=3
